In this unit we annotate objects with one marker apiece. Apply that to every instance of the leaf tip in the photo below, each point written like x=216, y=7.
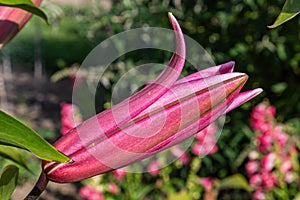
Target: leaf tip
x=273, y=25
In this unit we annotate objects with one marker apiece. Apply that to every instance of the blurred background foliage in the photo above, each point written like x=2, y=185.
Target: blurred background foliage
x=229, y=30
x=235, y=30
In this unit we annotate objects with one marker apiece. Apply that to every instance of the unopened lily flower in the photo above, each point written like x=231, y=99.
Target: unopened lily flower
x=12, y=20
x=161, y=115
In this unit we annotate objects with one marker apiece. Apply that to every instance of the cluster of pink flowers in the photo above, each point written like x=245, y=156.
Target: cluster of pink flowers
x=70, y=117
x=90, y=193
x=270, y=163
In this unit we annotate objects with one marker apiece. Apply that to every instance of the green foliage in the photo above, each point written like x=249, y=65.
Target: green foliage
x=290, y=9
x=13, y=154
x=15, y=133
x=8, y=181
x=25, y=5
x=236, y=181
x=233, y=30
x=179, y=196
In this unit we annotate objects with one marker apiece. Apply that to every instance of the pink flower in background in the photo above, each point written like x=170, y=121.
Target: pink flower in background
x=264, y=142
x=113, y=188
x=206, y=143
x=202, y=149
x=252, y=166
x=182, y=155
x=271, y=166
x=70, y=117
x=262, y=117
x=268, y=180
x=90, y=193
x=289, y=177
x=286, y=165
x=268, y=162
x=119, y=173
x=184, y=158
x=154, y=168
x=259, y=195
x=280, y=136
x=206, y=183
x=255, y=180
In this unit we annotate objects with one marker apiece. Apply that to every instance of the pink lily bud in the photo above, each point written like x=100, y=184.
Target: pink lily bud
x=159, y=116
x=12, y=20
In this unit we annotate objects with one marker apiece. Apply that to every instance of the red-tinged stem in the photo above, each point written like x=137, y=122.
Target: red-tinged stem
x=39, y=187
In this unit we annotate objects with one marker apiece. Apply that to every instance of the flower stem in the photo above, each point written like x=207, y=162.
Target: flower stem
x=39, y=187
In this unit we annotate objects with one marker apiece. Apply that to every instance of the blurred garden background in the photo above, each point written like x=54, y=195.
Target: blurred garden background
x=38, y=66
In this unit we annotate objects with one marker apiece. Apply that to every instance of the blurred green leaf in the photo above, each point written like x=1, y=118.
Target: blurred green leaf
x=292, y=126
x=143, y=191
x=8, y=181
x=297, y=196
x=183, y=195
x=236, y=181
x=278, y=88
x=15, y=132
x=290, y=9
x=13, y=154
x=25, y=5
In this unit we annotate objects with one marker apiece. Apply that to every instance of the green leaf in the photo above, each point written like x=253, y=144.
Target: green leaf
x=25, y=5
x=14, y=154
x=278, y=88
x=236, y=181
x=143, y=191
x=9, y=143
x=183, y=195
x=15, y=132
x=297, y=197
x=8, y=181
x=290, y=9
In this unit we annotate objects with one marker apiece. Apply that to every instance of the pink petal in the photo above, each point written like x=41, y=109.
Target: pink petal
x=211, y=71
